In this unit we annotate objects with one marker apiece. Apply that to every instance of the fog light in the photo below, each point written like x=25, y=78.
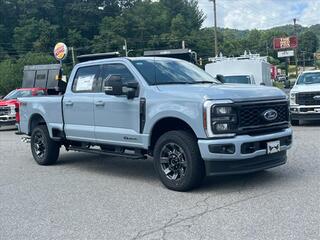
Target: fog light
x=222, y=148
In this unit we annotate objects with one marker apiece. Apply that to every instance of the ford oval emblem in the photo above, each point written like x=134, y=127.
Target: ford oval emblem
x=317, y=98
x=270, y=114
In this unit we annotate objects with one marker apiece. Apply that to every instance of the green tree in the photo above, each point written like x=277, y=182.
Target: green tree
x=34, y=35
x=308, y=43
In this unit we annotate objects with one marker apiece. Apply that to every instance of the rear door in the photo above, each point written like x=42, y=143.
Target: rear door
x=78, y=105
x=117, y=118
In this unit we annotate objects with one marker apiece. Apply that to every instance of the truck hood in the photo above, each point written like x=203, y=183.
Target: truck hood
x=306, y=88
x=235, y=92
x=8, y=102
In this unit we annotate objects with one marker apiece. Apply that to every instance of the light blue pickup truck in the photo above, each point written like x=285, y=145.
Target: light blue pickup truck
x=169, y=109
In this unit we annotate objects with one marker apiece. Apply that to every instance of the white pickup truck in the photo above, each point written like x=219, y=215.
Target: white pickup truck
x=305, y=97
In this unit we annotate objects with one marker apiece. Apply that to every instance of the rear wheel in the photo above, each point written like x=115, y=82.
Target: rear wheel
x=45, y=151
x=178, y=162
x=295, y=122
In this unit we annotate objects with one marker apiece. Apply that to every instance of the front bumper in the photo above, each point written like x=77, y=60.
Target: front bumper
x=301, y=112
x=240, y=161
x=7, y=120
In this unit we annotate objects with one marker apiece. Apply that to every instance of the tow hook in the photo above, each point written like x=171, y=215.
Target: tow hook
x=26, y=139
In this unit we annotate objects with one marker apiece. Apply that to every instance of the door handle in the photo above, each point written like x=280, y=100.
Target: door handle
x=99, y=103
x=68, y=103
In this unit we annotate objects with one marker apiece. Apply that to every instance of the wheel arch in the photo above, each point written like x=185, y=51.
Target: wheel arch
x=166, y=124
x=36, y=119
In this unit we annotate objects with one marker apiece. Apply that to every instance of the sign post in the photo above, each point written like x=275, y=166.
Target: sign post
x=286, y=47
x=60, y=53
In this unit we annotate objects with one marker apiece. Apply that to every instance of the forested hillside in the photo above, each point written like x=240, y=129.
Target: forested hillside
x=29, y=30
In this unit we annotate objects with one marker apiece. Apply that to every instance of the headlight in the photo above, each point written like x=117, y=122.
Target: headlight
x=293, y=97
x=12, y=110
x=224, y=119
x=223, y=110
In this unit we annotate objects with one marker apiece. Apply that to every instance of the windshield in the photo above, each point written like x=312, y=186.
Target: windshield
x=309, y=78
x=243, y=79
x=171, y=71
x=18, y=94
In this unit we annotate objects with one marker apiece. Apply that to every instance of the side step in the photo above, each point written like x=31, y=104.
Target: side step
x=113, y=154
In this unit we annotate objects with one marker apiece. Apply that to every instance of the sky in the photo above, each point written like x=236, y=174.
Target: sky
x=261, y=14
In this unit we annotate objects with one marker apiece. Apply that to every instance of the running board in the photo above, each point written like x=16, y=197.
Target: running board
x=112, y=154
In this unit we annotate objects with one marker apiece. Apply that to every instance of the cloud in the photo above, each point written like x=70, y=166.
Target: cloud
x=261, y=14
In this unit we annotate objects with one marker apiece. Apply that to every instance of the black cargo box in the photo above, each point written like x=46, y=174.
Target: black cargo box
x=43, y=76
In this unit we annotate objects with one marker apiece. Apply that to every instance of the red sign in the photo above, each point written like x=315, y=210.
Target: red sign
x=285, y=43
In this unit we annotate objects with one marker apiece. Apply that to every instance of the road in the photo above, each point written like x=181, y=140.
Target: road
x=92, y=197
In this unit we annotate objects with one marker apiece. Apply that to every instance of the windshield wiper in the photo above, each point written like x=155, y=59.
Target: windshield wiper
x=202, y=82
x=165, y=83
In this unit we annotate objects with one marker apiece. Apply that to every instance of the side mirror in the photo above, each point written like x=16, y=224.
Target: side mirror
x=131, y=89
x=113, y=86
x=220, y=78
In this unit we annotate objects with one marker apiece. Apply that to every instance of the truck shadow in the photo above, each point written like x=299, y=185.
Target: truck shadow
x=142, y=170
x=310, y=123
x=7, y=129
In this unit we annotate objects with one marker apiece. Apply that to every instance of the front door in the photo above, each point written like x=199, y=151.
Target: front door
x=78, y=105
x=117, y=118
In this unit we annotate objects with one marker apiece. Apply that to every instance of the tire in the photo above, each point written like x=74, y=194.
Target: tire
x=181, y=167
x=45, y=151
x=295, y=122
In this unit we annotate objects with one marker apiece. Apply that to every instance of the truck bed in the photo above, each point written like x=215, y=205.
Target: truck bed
x=48, y=107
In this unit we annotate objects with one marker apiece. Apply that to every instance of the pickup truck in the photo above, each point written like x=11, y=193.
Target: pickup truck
x=9, y=104
x=305, y=97
x=167, y=109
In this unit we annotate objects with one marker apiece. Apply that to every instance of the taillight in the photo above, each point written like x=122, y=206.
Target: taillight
x=17, y=105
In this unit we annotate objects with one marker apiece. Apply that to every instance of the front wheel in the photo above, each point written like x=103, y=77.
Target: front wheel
x=45, y=151
x=178, y=162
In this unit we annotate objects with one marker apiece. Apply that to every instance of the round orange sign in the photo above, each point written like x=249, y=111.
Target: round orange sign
x=60, y=51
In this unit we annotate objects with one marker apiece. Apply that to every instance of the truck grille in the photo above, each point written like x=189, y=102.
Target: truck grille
x=307, y=98
x=252, y=120
x=5, y=110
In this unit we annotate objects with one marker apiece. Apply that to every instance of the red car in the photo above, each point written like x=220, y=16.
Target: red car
x=9, y=104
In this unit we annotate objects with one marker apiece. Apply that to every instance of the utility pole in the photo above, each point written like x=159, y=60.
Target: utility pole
x=125, y=47
x=216, y=51
x=296, y=50
x=73, y=56
x=304, y=60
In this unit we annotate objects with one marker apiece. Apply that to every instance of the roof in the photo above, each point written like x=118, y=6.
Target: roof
x=33, y=89
x=98, y=56
x=311, y=71
x=42, y=67
x=167, y=52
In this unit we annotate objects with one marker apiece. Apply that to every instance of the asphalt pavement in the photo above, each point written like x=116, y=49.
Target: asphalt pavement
x=92, y=197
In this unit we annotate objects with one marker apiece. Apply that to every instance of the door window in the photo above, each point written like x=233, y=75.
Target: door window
x=86, y=79
x=116, y=69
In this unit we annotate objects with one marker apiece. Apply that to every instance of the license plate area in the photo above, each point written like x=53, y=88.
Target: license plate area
x=273, y=147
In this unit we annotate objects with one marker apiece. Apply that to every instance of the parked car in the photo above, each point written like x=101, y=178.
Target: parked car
x=281, y=78
x=305, y=97
x=10, y=103
x=169, y=109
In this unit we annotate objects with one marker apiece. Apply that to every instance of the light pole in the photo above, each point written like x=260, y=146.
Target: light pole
x=215, y=27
